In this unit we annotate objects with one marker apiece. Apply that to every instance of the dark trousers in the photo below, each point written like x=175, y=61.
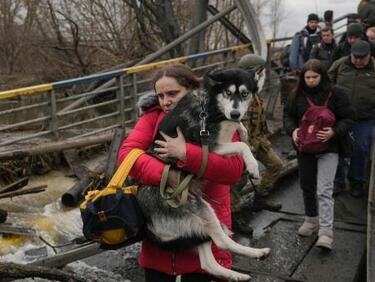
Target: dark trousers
x=362, y=132
x=157, y=276
x=307, y=168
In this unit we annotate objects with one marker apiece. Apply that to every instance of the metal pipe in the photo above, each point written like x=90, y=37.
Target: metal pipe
x=42, y=133
x=85, y=94
x=19, y=124
x=88, y=120
x=135, y=91
x=229, y=25
x=95, y=132
x=121, y=98
x=23, y=108
x=53, y=111
x=89, y=107
x=74, y=195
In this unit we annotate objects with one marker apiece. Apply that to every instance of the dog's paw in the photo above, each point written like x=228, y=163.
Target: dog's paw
x=240, y=277
x=264, y=253
x=253, y=171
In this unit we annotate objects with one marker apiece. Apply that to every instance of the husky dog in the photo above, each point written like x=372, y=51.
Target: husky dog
x=228, y=93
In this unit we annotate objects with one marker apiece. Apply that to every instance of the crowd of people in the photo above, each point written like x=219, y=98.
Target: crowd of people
x=341, y=76
x=337, y=76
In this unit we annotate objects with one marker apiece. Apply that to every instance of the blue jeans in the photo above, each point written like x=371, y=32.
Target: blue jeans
x=362, y=133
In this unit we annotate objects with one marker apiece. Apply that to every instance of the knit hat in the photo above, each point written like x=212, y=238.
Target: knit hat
x=354, y=29
x=312, y=17
x=360, y=49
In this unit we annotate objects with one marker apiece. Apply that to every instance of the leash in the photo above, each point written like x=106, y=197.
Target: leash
x=176, y=197
x=204, y=134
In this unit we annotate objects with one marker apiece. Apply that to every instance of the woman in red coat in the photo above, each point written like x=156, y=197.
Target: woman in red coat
x=170, y=85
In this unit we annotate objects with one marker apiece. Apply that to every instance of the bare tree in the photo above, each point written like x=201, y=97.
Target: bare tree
x=196, y=43
x=276, y=14
x=16, y=22
x=157, y=17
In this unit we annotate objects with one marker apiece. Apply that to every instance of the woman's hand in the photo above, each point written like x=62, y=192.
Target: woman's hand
x=295, y=136
x=172, y=147
x=325, y=134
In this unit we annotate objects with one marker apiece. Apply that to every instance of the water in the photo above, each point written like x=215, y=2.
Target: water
x=58, y=226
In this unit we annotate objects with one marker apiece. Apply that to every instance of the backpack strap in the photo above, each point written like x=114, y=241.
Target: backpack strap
x=122, y=172
x=311, y=103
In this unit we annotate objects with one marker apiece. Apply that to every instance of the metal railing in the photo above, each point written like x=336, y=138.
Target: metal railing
x=51, y=110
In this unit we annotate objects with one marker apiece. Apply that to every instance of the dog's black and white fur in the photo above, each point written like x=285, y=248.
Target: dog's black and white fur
x=195, y=224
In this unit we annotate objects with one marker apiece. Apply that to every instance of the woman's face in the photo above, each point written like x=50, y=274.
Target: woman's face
x=169, y=92
x=312, y=79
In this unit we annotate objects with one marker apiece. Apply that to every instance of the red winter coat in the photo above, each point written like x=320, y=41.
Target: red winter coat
x=148, y=170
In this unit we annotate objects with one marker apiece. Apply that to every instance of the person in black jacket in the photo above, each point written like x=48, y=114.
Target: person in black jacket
x=323, y=50
x=317, y=171
x=354, y=33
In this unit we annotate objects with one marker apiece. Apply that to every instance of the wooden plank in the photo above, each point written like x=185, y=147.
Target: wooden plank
x=16, y=230
x=15, y=185
x=62, y=259
x=118, y=137
x=32, y=190
x=55, y=147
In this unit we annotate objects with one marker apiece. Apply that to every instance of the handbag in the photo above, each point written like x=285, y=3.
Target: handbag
x=112, y=216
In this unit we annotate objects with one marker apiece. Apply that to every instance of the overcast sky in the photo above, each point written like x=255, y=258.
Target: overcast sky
x=296, y=11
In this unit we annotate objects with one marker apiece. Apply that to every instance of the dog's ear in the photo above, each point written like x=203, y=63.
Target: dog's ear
x=212, y=78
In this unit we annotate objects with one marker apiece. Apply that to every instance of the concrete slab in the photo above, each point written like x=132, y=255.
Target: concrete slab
x=340, y=265
x=289, y=194
x=349, y=209
x=288, y=250
x=294, y=258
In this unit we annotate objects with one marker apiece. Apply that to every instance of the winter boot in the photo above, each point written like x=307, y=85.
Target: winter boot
x=325, y=238
x=310, y=226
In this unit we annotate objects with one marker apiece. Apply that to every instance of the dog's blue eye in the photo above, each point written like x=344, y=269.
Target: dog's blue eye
x=245, y=93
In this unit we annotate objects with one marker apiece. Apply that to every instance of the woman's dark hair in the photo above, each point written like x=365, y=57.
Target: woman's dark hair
x=315, y=66
x=181, y=73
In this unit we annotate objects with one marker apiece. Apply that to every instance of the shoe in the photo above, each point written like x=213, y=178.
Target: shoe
x=356, y=190
x=309, y=226
x=338, y=188
x=325, y=239
x=245, y=229
x=260, y=203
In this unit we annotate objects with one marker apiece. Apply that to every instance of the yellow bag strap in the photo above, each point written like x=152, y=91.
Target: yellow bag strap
x=123, y=171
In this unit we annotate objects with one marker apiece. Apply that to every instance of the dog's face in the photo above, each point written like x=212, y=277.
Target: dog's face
x=232, y=89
